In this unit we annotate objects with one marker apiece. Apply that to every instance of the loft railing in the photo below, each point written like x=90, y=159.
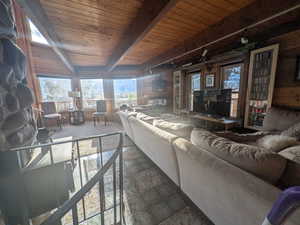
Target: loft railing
x=71, y=205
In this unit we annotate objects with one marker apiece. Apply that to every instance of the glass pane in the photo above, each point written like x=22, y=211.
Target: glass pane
x=231, y=78
x=196, y=82
x=56, y=90
x=36, y=35
x=125, y=92
x=92, y=90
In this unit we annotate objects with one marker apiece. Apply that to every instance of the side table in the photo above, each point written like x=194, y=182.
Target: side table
x=76, y=117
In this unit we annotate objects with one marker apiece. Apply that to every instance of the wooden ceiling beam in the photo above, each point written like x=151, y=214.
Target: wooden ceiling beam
x=38, y=16
x=236, y=24
x=147, y=17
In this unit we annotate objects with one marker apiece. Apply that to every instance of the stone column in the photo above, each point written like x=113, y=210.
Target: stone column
x=17, y=124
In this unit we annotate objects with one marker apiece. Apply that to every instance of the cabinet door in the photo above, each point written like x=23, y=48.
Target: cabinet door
x=260, y=88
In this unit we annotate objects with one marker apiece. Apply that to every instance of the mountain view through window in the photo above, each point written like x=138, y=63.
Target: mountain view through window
x=125, y=92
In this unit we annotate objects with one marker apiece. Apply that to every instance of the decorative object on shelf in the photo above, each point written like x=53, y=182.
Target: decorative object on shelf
x=209, y=80
x=261, y=80
x=297, y=75
x=76, y=117
x=75, y=95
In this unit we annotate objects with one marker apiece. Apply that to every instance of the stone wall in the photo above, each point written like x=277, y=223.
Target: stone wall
x=17, y=124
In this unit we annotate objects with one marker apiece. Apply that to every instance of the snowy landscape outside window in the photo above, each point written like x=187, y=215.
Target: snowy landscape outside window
x=92, y=90
x=231, y=76
x=195, y=86
x=56, y=90
x=125, y=92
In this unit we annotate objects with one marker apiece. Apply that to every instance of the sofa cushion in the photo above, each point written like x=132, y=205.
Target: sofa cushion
x=280, y=119
x=263, y=163
x=178, y=129
x=276, y=143
x=291, y=175
x=292, y=131
x=146, y=118
x=249, y=138
x=292, y=153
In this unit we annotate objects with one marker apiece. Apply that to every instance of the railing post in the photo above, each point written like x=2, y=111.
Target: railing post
x=121, y=177
x=80, y=174
x=115, y=193
x=75, y=215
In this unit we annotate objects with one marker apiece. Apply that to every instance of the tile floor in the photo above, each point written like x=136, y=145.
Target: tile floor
x=150, y=198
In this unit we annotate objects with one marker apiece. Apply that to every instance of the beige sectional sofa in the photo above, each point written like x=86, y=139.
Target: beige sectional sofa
x=227, y=194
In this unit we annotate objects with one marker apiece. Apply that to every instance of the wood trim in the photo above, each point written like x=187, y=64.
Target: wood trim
x=38, y=16
x=275, y=49
x=148, y=16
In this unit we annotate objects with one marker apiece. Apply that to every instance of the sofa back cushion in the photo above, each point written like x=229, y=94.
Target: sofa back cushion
x=178, y=129
x=291, y=175
x=146, y=118
x=280, y=119
x=267, y=165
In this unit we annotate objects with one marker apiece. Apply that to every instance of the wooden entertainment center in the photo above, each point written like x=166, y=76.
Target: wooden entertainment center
x=206, y=120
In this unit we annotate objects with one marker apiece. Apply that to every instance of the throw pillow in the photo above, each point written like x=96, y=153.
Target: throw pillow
x=178, y=129
x=276, y=143
x=293, y=131
x=265, y=164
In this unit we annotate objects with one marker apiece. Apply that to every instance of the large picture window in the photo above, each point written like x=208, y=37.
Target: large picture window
x=56, y=90
x=231, y=76
x=92, y=90
x=125, y=92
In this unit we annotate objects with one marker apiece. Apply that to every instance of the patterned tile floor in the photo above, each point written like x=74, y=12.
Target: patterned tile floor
x=150, y=198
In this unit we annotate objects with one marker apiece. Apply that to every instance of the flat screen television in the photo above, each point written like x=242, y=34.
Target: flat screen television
x=213, y=102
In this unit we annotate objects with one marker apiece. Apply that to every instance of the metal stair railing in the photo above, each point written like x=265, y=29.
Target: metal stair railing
x=71, y=204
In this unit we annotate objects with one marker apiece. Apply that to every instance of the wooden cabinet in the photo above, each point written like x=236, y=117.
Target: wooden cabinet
x=178, y=81
x=261, y=81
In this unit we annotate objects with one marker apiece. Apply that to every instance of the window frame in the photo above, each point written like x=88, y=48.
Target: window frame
x=56, y=102
x=82, y=95
x=240, y=94
x=136, y=90
x=191, y=90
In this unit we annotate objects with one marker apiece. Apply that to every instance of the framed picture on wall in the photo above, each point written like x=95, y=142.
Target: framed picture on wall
x=297, y=75
x=209, y=80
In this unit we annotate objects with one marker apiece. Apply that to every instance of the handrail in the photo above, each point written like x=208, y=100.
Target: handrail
x=67, y=206
x=71, y=204
x=63, y=142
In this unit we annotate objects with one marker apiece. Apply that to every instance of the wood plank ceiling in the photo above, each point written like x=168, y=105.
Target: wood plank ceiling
x=90, y=30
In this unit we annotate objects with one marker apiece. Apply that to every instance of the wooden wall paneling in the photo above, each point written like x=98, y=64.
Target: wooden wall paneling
x=36, y=13
x=287, y=89
x=100, y=25
x=23, y=41
x=145, y=91
x=147, y=17
x=46, y=62
x=237, y=21
x=287, y=97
